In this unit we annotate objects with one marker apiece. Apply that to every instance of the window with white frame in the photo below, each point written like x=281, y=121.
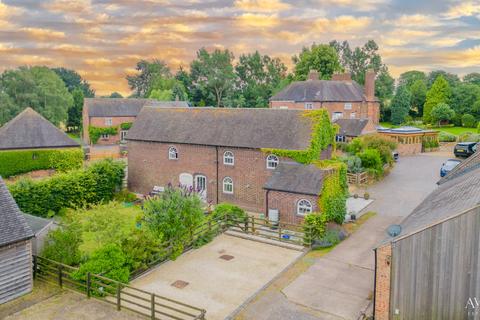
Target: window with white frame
x=172, y=153
x=104, y=136
x=353, y=115
x=108, y=121
x=227, y=185
x=228, y=158
x=272, y=161
x=348, y=106
x=308, y=105
x=340, y=138
x=337, y=115
x=304, y=207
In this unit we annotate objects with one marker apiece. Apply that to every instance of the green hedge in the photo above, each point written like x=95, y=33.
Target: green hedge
x=22, y=161
x=77, y=188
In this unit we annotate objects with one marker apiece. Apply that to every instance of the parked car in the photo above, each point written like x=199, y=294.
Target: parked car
x=448, y=166
x=465, y=149
x=395, y=155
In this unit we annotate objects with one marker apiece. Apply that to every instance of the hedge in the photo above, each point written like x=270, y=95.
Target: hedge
x=23, y=161
x=77, y=188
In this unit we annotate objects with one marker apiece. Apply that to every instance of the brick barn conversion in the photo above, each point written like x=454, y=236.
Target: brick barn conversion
x=219, y=152
x=341, y=96
x=431, y=269
x=15, y=249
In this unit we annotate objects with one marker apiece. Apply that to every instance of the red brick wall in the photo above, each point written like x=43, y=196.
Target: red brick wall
x=286, y=204
x=382, y=282
x=100, y=122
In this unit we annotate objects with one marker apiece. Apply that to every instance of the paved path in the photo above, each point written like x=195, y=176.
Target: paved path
x=339, y=284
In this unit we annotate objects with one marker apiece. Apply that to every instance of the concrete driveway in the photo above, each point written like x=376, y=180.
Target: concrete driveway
x=339, y=285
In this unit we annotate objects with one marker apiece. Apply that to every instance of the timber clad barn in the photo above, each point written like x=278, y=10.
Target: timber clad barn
x=219, y=153
x=15, y=249
x=431, y=270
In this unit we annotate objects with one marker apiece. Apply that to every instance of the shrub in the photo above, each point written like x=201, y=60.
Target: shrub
x=355, y=146
x=96, y=132
x=428, y=144
x=140, y=248
x=354, y=164
x=315, y=224
x=23, y=161
x=469, y=137
x=62, y=245
x=469, y=121
x=446, y=137
x=75, y=189
x=175, y=215
x=330, y=238
x=372, y=159
x=126, y=125
x=109, y=261
x=231, y=211
x=366, y=195
x=125, y=196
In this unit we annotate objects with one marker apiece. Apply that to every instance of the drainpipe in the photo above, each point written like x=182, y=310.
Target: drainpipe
x=266, y=203
x=216, y=160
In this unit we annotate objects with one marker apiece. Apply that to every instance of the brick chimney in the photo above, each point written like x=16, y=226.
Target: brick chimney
x=370, y=85
x=346, y=76
x=313, y=75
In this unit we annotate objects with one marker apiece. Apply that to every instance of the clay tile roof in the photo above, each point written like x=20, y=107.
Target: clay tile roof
x=123, y=107
x=297, y=178
x=351, y=127
x=467, y=165
x=29, y=130
x=13, y=226
x=232, y=127
x=322, y=91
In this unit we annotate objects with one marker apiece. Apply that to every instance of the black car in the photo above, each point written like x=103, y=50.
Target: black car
x=465, y=149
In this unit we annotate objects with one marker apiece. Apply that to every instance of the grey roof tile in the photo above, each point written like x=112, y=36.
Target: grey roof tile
x=464, y=167
x=13, y=226
x=29, y=130
x=125, y=107
x=37, y=224
x=351, y=127
x=297, y=178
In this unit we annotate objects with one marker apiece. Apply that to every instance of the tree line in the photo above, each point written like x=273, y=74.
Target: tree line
x=435, y=98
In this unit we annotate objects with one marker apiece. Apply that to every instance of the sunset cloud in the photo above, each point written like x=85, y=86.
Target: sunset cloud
x=257, y=20
x=262, y=5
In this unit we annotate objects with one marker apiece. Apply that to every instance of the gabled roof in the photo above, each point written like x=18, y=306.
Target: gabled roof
x=351, y=127
x=229, y=127
x=13, y=226
x=447, y=201
x=29, y=130
x=37, y=224
x=297, y=178
x=467, y=165
x=321, y=91
x=125, y=107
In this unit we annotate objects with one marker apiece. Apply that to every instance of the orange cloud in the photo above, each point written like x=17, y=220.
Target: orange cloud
x=261, y=5
x=465, y=8
x=43, y=34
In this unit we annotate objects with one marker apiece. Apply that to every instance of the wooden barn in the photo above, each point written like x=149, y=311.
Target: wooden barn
x=15, y=249
x=429, y=266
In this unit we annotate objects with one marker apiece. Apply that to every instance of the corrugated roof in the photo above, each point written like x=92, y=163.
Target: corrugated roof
x=232, y=127
x=321, y=91
x=351, y=127
x=297, y=178
x=29, y=130
x=467, y=165
x=13, y=226
x=125, y=107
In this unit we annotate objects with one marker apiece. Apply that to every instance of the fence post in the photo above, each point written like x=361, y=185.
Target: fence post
x=119, y=290
x=88, y=284
x=152, y=305
x=34, y=267
x=279, y=232
x=246, y=224
x=253, y=224
x=60, y=280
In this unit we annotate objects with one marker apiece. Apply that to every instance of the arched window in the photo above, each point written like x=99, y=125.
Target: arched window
x=227, y=185
x=228, y=158
x=172, y=153
x=304, y=207
x=272, y=161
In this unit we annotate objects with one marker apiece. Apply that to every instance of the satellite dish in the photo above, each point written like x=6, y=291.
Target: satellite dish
x=394, y=230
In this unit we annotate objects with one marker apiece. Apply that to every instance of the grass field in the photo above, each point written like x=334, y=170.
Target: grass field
x=452, y=130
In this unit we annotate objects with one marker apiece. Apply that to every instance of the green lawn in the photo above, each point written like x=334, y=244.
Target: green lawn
x=75, y=136
x=452, y=130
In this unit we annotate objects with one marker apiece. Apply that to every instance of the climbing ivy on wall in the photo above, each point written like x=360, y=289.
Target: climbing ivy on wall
x=126, y=125
x=96, y=132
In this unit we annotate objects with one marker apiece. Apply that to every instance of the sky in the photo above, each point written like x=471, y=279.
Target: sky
x=104, y=39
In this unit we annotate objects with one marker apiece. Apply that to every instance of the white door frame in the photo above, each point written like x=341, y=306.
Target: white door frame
x=201, y=187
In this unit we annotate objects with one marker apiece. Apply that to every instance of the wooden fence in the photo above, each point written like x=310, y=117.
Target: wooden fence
x=114, y=292
x=357, y=178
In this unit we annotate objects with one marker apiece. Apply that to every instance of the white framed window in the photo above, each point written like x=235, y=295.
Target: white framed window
x=353, y=115
x=340, y=138
x=172, y=153
x=228, y=185
x=272, y=161
x=304, y=207
x=308, y=105
x=337, y=115
x=123, y=135
x=348, y=106
x=228, y=158
x=104, y=136
x=108, y=121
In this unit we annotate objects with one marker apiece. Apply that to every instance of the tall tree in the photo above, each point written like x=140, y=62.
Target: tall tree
x=400, y=105
x=212, y=74
x=451, y=78
x=8, y=109
x=463, y=98
x=256, y=77
x=384, y=87
x=320, y=57
x=74, y=120
x=73, y=80
x=167, y=89
x=148, y=72
x=410, y=77
x=39, y=88
x=440, y=92
x=442, y=112
x=115, y=95
x=473, y=77
x=418, y=90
